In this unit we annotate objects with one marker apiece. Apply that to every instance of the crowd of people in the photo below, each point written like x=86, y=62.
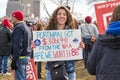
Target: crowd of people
x=100, y=52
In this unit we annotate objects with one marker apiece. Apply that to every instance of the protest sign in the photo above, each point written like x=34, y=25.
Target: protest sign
x=57, y=45
x=103, y=14
x=31, y=70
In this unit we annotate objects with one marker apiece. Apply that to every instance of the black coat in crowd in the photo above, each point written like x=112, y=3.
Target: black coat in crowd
x=5, y=41
x=104, y=60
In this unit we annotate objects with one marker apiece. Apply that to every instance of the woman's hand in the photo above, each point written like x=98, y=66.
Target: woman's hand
x=82, y=45
x=33, y=45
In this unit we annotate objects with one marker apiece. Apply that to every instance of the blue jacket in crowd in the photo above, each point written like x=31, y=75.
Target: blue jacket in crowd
x=104, y=60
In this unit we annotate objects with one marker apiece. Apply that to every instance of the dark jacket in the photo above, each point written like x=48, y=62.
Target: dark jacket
x=21, y=41
x=5, y=41
x=70, y=65
x=104, y=60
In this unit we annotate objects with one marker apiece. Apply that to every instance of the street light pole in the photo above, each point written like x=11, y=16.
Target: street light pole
x=28, y=10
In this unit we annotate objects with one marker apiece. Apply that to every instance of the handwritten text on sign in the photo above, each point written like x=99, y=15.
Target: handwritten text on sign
x=52, y=45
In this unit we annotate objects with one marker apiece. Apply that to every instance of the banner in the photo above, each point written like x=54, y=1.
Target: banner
x=103, y=14
x=31, y=70
x=57, y=45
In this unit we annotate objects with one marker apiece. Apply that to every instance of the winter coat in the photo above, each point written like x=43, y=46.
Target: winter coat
x=104, y=59
x=21, y=41
x=70, y=65
x=5, y=41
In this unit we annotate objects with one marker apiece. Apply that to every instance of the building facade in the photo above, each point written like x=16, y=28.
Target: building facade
x=36, y=8
x=30, y=8
x=13, y=5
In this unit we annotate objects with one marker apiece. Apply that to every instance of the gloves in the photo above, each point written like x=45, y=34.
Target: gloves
x=13, y=65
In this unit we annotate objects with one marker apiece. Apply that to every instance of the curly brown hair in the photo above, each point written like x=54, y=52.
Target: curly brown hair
x=53, y=20
x=116, y=14
x=38, y=26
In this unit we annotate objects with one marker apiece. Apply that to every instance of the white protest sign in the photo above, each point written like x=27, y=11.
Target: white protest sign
x=57, y=45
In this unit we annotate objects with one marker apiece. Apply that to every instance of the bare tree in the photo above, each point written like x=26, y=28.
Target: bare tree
x=73, y=6
x=44, y=4
x=90, y=1
x=70, y=3
x=61, y=2
x=67, y=2
x=57, y=2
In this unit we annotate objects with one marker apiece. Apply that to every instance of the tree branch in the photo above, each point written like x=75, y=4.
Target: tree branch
x=45, y=8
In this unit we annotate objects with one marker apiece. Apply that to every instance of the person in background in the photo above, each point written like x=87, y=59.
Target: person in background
x=5, y=46
x=88, y=32
x=21, y=45
x=62, y=20
x=104, y=60
x=39, y=27
x=30, y=24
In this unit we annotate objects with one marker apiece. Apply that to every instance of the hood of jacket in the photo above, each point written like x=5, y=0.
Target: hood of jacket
x=111, y=38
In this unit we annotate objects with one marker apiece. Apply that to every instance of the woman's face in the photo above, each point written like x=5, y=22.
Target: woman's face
x=61, y=17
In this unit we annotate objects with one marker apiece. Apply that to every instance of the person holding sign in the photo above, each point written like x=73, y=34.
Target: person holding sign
x=39, y=27
x=104, y=60
x=61, y=20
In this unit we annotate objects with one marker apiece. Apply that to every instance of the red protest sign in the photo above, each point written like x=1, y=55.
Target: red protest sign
x=103, y=14
x=31, y=71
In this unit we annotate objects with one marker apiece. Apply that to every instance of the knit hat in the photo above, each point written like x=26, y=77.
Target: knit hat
x=6, y=23
x=18, y=15
x=88, y=19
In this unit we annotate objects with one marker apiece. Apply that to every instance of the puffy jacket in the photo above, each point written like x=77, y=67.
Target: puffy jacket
x=104, y=59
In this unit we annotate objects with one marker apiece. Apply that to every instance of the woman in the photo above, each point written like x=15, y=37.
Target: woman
x=62, y=20
x=39, y=27
x=104, y=60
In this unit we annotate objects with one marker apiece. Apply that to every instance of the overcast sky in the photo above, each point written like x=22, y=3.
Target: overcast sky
x=3, y=5
x=81, y=8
